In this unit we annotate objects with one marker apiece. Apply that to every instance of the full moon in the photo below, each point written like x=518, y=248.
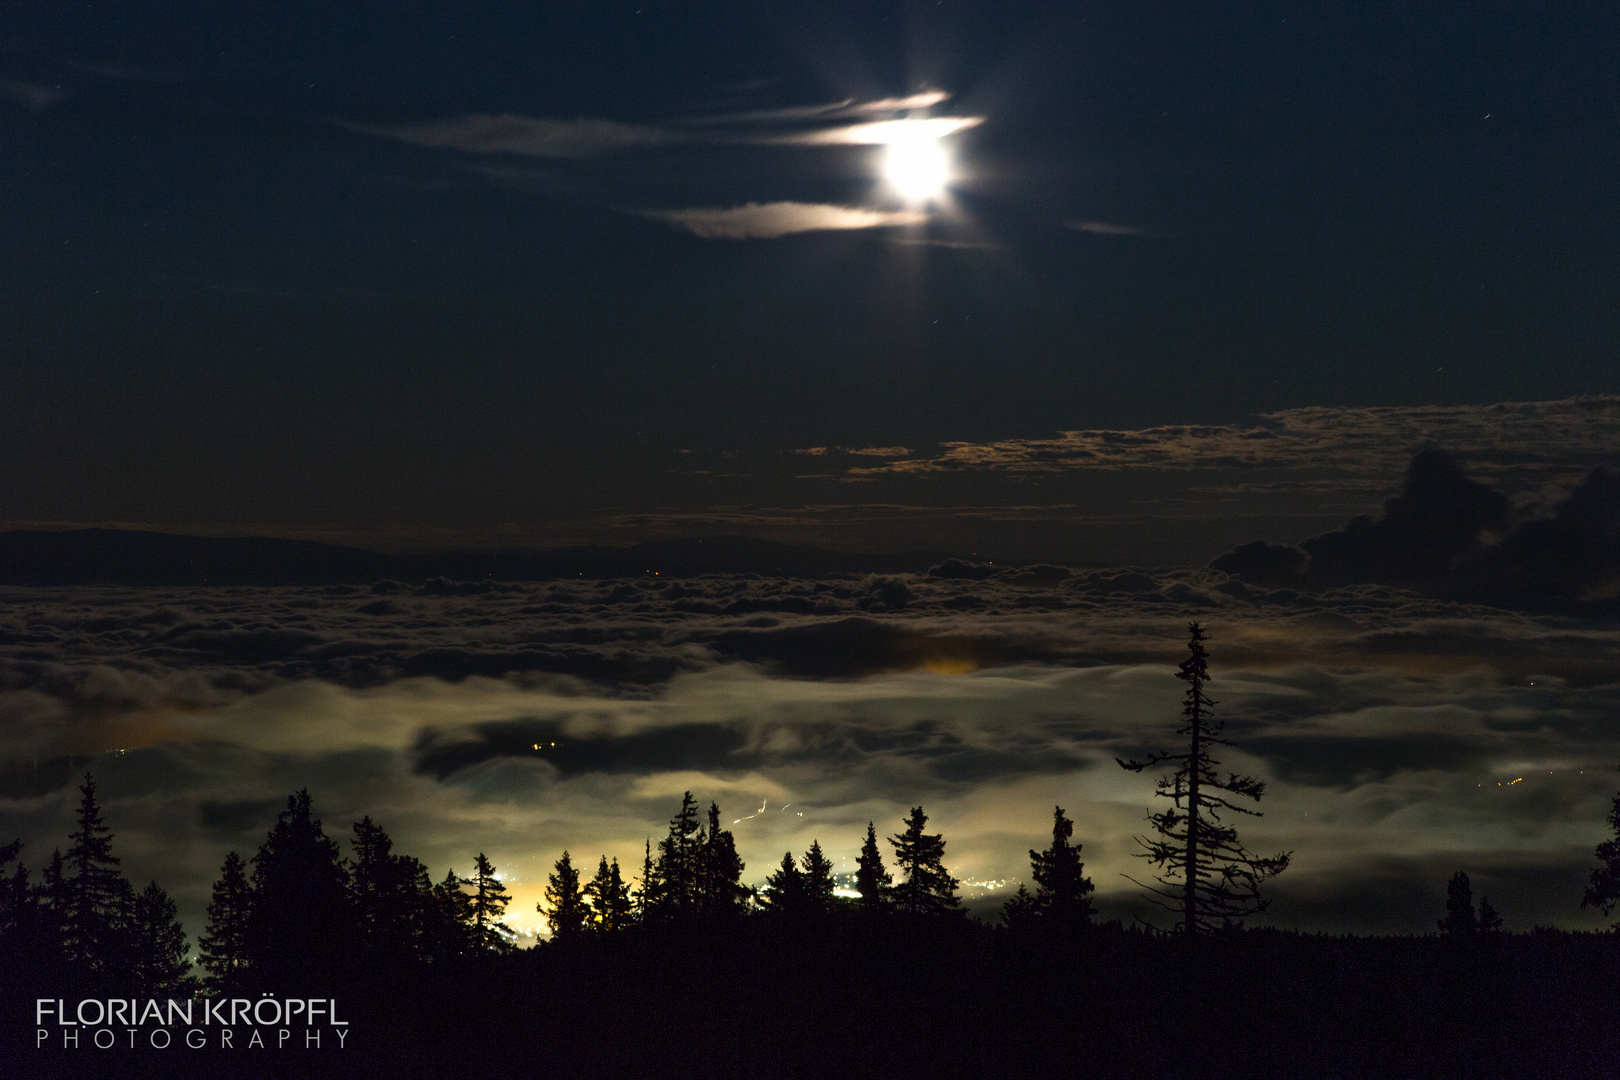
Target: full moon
x=918, y=169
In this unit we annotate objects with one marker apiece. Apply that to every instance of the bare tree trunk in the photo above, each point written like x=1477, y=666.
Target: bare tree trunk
x=1190, y=908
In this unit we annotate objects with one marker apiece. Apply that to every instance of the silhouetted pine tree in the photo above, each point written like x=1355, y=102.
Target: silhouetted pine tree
x=645, y=899
x=1208, y=878
x=786, y=889
x=564, y=903
x=818, y=879
x=158, y=948
x=223, y=947
x=19, y=914
x=1459, y=921
x=1063, y=893
x=680, y=867
x=453, y=934
x=301, y=924
x=1489, y=922
x=96, y=930
x=721, y=891
x=927, y=888
x=872, y=881
x=1603, y=888
x=15, y=895
x=608, y=898
x=54, y=904
x=392, y=897
x=1020, y=912
x=489, y=900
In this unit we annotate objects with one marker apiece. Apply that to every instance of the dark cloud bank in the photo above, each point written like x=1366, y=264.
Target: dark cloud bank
x=1408, y=727
x=1452, y=536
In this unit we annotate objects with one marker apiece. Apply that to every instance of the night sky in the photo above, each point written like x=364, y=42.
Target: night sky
x=1104, y=286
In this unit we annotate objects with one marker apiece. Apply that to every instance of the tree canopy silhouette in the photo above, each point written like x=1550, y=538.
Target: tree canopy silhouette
x=872, y=881
x=301, y=922
x=1206, y=876
x=608, y=898
x=1063, y=892
x=96, y=923
x=1603, y=888
x=489, y=899
x=928, y=889
x=564, y=905
x=223, y=947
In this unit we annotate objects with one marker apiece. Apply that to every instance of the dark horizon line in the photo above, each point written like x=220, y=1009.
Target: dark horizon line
x=105, y=556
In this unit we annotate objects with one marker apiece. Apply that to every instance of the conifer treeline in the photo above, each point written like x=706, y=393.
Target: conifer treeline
x=84, y=918
x=301, y=914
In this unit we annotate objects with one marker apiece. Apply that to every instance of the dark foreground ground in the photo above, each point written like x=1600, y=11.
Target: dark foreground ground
x=892, y=999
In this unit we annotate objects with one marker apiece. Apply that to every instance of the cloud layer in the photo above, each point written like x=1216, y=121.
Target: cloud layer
x=756, y=221
x=1572, y=434
x=523, y=719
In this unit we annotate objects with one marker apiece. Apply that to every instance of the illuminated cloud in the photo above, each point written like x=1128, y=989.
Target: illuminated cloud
x=877, y=133
x=508, y=133
x=583, y=137
x=1574, y=434
x=765, y=221
x=829, y=111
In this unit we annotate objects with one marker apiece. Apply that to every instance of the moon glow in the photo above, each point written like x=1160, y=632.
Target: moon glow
x=918, y=168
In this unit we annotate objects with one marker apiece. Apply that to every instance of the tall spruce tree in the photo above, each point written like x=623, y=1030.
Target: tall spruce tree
x=158, y=946
x=1063, y=892
x=1603, y=887
x=96, y=923
x=223, y=947
x=786, y=893
x=392, y=897
x=608, y=898
x=489, y=900
x=301, y=926
x=872, y=881
x=454, y=935
x=818, y=879
x=16, y=898
x=721, y=891
x=1459, y=921
x=21, y=942
x=680, y=865
x=644, y=901
x=564, y=905
x=1207, y=878
x=927, y=888
x=54, y=904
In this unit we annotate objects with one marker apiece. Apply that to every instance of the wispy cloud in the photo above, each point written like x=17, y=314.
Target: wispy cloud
x=833, y=110
x=1104, y=228
x=876, y=133
x=1553, y=435
x=767, y=221
x=32, y=96
x=532, y=136
x=535, y=136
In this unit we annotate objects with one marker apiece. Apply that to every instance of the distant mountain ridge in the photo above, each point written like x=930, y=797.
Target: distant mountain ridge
x=135, y=557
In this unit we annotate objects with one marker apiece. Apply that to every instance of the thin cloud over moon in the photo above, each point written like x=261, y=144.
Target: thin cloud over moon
x=536, y=136
x=532, y=136
x=829, y=111
x=767, y=221
x=877, y=133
